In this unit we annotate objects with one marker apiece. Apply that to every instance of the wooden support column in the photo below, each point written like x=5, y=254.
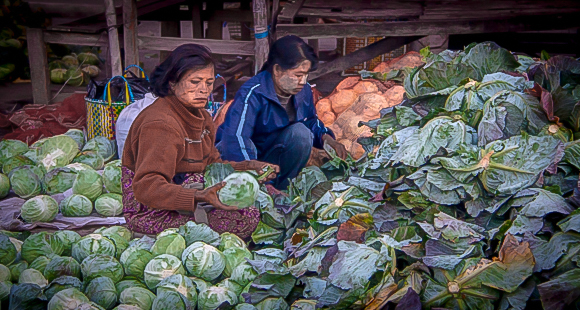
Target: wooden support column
x=130, y=33
x=275, y=9
x=38, y=66
x=359, y=56
x=196, y=20
x=169, y=29
x=314, y=42
x=114, y=49
x=260, y=26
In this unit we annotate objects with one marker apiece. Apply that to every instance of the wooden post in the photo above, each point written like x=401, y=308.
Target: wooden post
x=130, y=33
x=114, y=49
x=196, y=20
x=314, y=42
x=261, y=34
x=38, y=66
x=275, y=9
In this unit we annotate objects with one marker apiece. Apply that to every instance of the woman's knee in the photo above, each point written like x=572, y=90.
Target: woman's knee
x=301, y=136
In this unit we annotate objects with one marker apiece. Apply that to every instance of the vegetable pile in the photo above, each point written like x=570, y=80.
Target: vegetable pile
x=62, y=164
x=75, y=70
x=466, y=198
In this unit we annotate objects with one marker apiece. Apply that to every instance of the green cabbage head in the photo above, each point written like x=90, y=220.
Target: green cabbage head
x=171, y=300
x=68, y=299
x=54, y=152
x=89, y=184
x=112, y=177
x=137, y=296
x=39, y=209
x=93, y=244
x=62, y=266
x=109, y=205
x=103, y=146
x=98, y=265
x=241, y=190
x=32, y=276
x=78, y=136
x=103, y=292
x=76, y=205
x=170, y=242
x=161, y=267
x=9, y=249
x=60, y=284
x=181, y=284
x=25, y=182
x=215, y=296
x=90, y=158
x=15, y=162
x=4, y=185
x=68, y=238
x=204, y=261
x=11, y=148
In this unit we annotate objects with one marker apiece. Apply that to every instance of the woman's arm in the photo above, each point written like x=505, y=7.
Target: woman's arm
x=159, y=147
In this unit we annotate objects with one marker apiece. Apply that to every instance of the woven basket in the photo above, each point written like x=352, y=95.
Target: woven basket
x=102, y=113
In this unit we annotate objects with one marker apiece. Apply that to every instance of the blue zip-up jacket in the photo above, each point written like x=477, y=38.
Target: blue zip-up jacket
x=257, y=116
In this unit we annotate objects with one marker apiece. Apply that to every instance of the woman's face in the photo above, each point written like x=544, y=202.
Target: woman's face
x=291, y=81
x=195, y=87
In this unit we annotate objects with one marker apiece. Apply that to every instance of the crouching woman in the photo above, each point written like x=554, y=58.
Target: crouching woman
x=168, y=147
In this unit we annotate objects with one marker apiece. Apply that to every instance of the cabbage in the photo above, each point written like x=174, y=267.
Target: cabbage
x=56, y=64
x=16, y=161
x=88, y=59
x=60, y=284
x=112, y=177
x=54, y=152
x=91, y=71
x=241, y=190
x=98, y=265
x=201, y=284
x=70, y=61
x=171, y=300
x=273, y=303
x=59, y=180
x=62, y=266
x=215, y=296
x=5, y=287
x=78, y=136
x=11, y=148
x=90, y=158
x=101, y=145
x=229, y=240
x=75, y=77
x=127, y=307
x=58, y=76
x=39, y=209
x=203, y=261
x=89, y=184
x=39, y=244
x=119, y=230
x=76, y=205
x=68, y=299
x=32, y=276
x=90, y=306
x=4, y=185
x=16, y=269
x=120, y=243
x=109, y=205
x=231, y=285
x=128, y=282
x=244, y=274
x=193, y=232
x=170, y=242
x=137, y=296
x=92, y=244
x=134, y=260
x=161, y=267
x=4, y=273
x=25, y=183
x=235, y=256
x=102, y=291
x=68, y=238
x=40, y=263
x=8, y=250
x=181, y=284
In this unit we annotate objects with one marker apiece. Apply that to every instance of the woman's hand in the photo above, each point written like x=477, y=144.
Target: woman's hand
x=209, y=195
x=337, y=146
x=260, y=166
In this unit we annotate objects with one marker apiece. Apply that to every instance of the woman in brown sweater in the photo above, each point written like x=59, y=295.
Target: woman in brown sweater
x=168, y=148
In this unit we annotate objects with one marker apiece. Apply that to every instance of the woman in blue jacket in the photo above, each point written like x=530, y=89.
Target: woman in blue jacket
x=273, y=118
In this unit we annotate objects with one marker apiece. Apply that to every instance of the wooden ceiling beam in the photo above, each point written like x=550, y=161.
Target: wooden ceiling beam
x=289, y=11
x=424, y=28
x=223, y=47
x=359, y=13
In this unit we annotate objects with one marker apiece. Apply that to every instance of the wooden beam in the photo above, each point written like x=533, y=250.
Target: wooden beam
x=70, y=38
x=196, y=20
x=289, y=11
x=422, y=28
x=222, y=47
x=260, y=28
x=359, y=56
x=37, y=58
x=114, y=49
x=274, y=20
x=360, y=13
x=130, y=33
x=233, y=16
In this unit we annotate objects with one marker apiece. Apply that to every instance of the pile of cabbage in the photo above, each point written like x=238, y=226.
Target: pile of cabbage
x=75, y=70
x=84, y=172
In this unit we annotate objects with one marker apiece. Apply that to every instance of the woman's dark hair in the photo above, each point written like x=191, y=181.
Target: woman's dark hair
x=288, y=52
x=184, y=58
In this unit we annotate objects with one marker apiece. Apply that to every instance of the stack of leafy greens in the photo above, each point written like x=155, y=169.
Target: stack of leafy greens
x=467, y=198
x=59, y=164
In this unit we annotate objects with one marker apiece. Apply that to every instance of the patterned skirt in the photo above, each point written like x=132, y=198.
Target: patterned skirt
x=146, y=220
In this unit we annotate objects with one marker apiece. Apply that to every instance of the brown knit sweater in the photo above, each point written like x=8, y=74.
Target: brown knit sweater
x=164, y=140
